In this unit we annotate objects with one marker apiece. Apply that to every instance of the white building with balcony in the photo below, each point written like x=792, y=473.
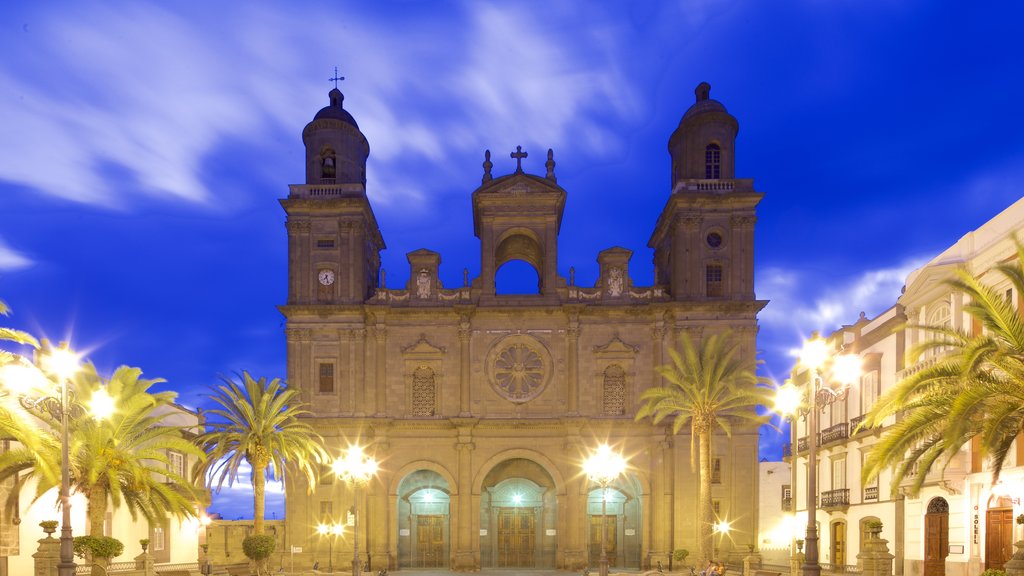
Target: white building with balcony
x=959, y=524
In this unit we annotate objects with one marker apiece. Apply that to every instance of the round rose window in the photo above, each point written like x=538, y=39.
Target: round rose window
x=519, y=368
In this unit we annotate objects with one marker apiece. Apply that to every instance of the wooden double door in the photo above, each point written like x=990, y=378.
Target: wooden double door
x=517, y=537
x=430, y=541
x=597, y=535
x=998, y=537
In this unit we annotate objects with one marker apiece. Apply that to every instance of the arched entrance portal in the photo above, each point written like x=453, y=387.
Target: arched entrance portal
x=622, y=517
x=423, y=520
x=936, y=537
x=518, y=510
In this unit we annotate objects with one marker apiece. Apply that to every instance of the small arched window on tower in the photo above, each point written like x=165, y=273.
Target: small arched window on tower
x=713, y=280
x=614, y=391
x=713, y=162
x=423, y=392
x=328, y=167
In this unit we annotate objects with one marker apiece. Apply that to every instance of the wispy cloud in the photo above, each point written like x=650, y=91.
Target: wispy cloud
x=147, y=94
x=11, y=259
x=798, y=307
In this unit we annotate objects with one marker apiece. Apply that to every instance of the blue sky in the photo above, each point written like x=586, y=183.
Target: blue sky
x=145, y=145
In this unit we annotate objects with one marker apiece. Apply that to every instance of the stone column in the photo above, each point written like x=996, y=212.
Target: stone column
x=874, y=556
x=363, y=352
x=795, y=563
x=47, y=556
x=661, y=499
x=573, y=338
x=144, y=562
x=1015, y=567
x=751, y=563
x=380, y=378
x=465, y=558
x=464, y=365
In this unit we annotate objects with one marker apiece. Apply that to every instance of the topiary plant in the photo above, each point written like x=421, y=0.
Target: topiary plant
x=258, y=548
x=98, y=547
x=680, y=554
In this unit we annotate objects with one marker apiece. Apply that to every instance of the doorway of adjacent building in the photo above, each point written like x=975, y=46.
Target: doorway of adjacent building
x=611, y=523
x=839, y=543
x=517, y=537
x=936, y=534
x=998, y=533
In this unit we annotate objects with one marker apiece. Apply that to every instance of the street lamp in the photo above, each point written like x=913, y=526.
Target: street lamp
x=356, y=469
x=843, y=370
x=333, y=530
x=33, y=387
x=602, y=468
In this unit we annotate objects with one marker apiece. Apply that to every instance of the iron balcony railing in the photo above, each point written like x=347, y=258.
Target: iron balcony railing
x=835, y=498
x=835, y=433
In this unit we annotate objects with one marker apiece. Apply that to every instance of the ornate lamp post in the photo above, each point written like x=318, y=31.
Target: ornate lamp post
x=602, y=468
x=843, y=370
x=356, y=469
x=34, y=388
x=333, y=530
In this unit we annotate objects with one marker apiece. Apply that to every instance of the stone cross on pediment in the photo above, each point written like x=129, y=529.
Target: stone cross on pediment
x=519, y=155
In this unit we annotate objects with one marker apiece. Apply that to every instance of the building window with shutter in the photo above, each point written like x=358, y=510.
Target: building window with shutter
x=614, y=393
x=326, y=370
x=176, y=463
x=716, y=471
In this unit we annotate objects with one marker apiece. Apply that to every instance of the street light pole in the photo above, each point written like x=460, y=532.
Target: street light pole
x=844, y=369
x=602, y=468
x=811, y=566
x=355, y=468
x=53, y=365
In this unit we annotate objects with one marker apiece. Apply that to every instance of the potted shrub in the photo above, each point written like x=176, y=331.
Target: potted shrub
x=144, y=542
x=48, y=526
x=873, y=527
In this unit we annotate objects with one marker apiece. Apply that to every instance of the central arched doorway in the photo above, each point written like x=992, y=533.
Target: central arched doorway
x=424, y=505
x=518, y=511
x=622, y=518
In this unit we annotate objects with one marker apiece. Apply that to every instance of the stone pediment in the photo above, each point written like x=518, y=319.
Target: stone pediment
x=422, y=348
x=518, y=184
x=616, y=348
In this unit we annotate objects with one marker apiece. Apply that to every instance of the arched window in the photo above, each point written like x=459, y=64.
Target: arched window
x=614, y=391
x=423, y=392
x=713, y=162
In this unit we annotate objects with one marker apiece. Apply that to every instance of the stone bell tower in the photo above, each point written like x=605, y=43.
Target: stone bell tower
x=334, y=242
x=704, y=239
x=518, y=217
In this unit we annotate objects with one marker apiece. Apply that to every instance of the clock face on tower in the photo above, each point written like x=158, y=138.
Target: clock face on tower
x=326, y=277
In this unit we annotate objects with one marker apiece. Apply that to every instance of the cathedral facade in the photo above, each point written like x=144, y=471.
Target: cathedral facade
x=481, y=407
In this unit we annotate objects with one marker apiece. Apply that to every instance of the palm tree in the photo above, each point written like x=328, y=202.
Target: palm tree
x=709, y=387
x=975, y=389
x=258, y=422
x=12, y=335
x=121, y=459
